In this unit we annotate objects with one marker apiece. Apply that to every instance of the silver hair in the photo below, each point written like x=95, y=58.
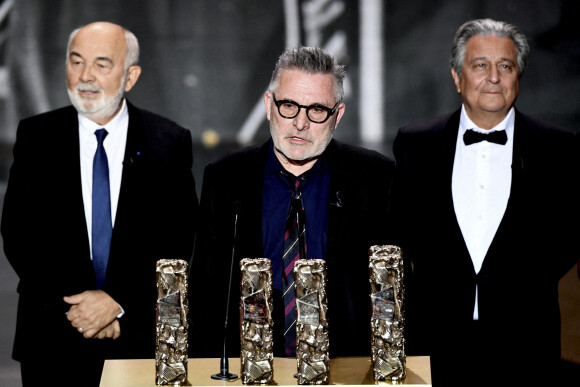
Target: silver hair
x=311, y=60
x=131, y=49
x=486, y=27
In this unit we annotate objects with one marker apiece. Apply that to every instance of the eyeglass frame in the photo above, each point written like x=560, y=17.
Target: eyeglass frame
x=329, y=111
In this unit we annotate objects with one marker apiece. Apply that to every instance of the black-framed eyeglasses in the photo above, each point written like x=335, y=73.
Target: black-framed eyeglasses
x=315, y=113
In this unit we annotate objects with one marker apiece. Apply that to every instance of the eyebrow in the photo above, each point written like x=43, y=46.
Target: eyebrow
x=502, y=59
x=104, y=58
x=296, y=102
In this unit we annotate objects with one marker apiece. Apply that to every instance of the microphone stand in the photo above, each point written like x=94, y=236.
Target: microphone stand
x=224, y=373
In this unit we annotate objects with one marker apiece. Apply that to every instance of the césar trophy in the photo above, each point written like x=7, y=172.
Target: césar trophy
x=311, y=321
x=257, y=356
x=171, y=329
x=387, y=319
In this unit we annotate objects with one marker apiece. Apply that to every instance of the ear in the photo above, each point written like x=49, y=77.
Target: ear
x=457, y=80
x=132, y=75
x=268, y=103
x=339, y=113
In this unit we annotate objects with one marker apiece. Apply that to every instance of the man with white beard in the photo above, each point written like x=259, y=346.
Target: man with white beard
x=98, y=192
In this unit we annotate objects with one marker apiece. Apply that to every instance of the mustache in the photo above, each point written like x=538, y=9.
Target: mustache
x=88, y=87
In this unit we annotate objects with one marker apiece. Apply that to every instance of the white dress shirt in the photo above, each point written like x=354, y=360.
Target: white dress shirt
x=480, y=186
x=114, y=145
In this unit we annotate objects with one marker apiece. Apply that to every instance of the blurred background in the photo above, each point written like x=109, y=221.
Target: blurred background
x=207, y=63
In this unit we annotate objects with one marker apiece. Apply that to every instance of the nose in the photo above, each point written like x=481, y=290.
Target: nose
x=493, y=76
x=87, y=74
x=301, y=121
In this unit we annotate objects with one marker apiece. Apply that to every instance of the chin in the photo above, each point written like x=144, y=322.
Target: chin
x=297, y=158
x=89, y=107
x=493, y=107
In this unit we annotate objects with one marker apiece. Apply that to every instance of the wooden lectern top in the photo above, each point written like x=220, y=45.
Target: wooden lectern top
x=348, y=371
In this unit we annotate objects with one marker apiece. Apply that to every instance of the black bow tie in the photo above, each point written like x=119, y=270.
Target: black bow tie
x=497, y=137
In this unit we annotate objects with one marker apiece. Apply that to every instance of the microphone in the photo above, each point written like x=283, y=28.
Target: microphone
x=224, y=373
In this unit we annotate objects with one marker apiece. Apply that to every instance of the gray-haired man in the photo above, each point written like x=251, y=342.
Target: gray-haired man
x=343, y=191
x=482, y=207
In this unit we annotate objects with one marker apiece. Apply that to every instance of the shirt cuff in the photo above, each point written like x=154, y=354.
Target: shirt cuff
x=122, y=312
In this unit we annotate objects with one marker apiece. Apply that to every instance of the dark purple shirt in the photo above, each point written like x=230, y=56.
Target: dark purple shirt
x=276, y=202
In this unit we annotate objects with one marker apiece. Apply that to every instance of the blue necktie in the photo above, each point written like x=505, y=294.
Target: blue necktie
x=102, y=228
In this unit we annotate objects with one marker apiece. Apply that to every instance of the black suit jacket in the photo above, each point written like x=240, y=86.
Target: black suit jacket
x=46, y=239
x=518, y=282
x=359, y=177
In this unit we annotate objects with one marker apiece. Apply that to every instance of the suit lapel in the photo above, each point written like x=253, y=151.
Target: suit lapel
x=517, y=187
x=71, y=165
x=446, y=144
x=134, y=157
x=339, y=189
x=250, y=219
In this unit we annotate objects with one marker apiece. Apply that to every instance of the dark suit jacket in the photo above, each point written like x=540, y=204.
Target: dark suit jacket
x=46, y=239
x=518, y=282
x=362, y=179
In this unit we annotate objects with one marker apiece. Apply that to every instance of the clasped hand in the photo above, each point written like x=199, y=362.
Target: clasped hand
x=94, y=314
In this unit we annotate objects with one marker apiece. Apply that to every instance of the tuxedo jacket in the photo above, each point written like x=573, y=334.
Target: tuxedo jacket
x=533, y=247
x=46, y=239
x=359, y=184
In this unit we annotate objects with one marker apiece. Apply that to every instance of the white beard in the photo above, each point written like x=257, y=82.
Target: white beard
x=99, y=109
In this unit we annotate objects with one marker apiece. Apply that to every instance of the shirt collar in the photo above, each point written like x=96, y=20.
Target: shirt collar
x=506, y=124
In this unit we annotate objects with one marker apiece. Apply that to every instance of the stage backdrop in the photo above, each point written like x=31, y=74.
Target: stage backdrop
x=207, y=63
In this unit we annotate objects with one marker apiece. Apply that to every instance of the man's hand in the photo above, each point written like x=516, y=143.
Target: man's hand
x=111, y=331
x=91, y=312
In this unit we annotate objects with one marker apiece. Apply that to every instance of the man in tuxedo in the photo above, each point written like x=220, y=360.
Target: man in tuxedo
x=88, y=212
x=342, y=190
x=484, y=208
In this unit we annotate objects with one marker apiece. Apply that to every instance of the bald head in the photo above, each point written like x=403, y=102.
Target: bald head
x=118, y=32
x=101, y=67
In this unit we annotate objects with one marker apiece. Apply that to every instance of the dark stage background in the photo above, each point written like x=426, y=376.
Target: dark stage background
x=207, y=63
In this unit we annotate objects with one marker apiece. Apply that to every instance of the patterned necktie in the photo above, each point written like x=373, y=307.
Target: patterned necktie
x=102, y=228
x=294, y=249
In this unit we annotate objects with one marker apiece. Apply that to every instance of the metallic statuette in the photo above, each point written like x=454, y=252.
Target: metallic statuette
x=387, y=319
x=257, y=355
x=311, y=323
x=172, y=310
